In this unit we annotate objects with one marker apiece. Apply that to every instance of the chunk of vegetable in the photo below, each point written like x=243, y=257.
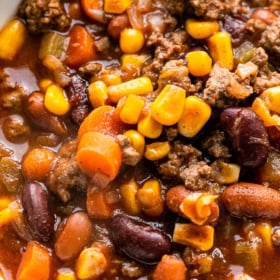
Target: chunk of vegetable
x=157, y=150
x=131, y=40
x=199, y=63
x=116, y=6
x=201, y=29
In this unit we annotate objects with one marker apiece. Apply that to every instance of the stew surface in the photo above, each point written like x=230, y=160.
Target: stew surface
x=140, y=140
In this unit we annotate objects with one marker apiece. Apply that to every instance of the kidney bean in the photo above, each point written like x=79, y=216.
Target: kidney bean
x=37, y=211
x=139, y=241
x=117, y=24
x=74, y=234
x=252, y=200
x=265, y=15
x=41, y=116
x=247, y=134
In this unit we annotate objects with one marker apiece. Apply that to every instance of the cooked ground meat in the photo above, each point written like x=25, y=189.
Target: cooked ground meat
x=216, y=8
x=215, y=145
x=174, y=7
x=42, y=15
x=271, y=37
x=222, y=86
x=129, y=155
x=181, y=155
x=167, y=48
x=66, y=174
x=196, y=176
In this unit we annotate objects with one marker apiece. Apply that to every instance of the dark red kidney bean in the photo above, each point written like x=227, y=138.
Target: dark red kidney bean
x=41, y=117
x=247, y=134
x=252, y=201
x=117, y=24
x=78, y=97
x=37, y=211
x=139, y=241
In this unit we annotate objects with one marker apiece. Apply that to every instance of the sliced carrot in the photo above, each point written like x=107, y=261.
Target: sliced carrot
x=81, y=47
x=35, y=263
x=98, y=152
x=94, y=9
x=97, y=206
x=170, y=267
x=103, y=119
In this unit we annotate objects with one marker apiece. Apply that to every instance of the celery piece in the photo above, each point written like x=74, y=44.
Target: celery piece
x=55, y=44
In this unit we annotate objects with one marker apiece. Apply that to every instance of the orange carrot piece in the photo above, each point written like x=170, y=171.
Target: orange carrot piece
x=81, y=47
x=98, y=152
x=35, y=263
x=170, y=267
x=103, y=119
x=97, y=206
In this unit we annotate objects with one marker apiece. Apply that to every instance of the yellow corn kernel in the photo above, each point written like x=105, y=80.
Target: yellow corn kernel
x=271, y=98
x=44, y=84
x=198, y=237
x=128, y=193
x=12, y=38
x=220, y=49
x=66, y=274
x=195, y=115
x=138, y=86
x=264, y=229
x=201, y=29
x=131, y=40
x=137, y=140
x=168, y=106
x=116, y=6
x=5, y=216
x=199, y=63
x=91, y=263
x=198, y=207
x=157, y=150
x=149, y=197
x=110, y=78
x=97, y=93
x=134, y=60
x=4, y=202
x=259, y=107
x=56, y=100
x=131, y=109
x=149, y=127
x=225, y=173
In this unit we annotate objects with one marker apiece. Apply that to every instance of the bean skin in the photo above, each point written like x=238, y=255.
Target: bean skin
x=37, y=211
x=252, y=201
x=139, y=241
x=247, y=134
x=117, y=24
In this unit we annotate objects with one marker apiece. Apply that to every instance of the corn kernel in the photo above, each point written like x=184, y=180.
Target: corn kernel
x=132, y=59
x=91, y=263
x=128, y=193
x=201, y=29
x=5, y=216
x=168, y=106
x=199, y=63
x=137, y=140
x=66, y=274
x=225, y=173
x=97, y=92
x=195, y=115
x=149, y=127
x=198, y=237
x=4, y=202
x=12, y=38
x=44, y=84
x=157, y=150
x=131, y=109
x=264, y=229
x=149, y=197
x=56, y=100
x=131, y=40
x=138, y=86
x=271, y=98
x=220, y=49
x=116, y=6
x=111, y=78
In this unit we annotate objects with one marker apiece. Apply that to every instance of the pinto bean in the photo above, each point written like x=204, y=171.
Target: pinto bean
x=252, y=200
x=41, y=116
x=117, y=24
x=139, y=241
x=74, y=234
x=37, y=211
x=265, y=15
x=175, y=196
x=247, y=134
